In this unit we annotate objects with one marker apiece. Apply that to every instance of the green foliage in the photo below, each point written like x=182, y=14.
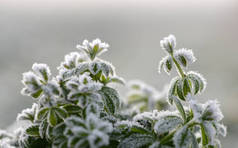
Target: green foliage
x=80, y=109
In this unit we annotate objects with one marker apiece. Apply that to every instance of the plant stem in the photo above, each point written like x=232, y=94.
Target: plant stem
x=180, y=70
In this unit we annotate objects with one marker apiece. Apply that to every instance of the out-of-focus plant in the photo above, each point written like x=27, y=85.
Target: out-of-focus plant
x=78, y=109
x=143, y=97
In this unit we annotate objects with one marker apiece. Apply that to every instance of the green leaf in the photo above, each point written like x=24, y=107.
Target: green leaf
x=166, y=124
x=117, y=80
x=182, y=60
x=195, y=84
x=33, y=131
x=182, y=138
x=180, y=90
x=186, y=86
x=139, y=129
x=111, y=99
x=172, y=89
x=180, y=108
x=136, y=141
x=60, y=112
x=204, y=135
x=72, y=109
x=37, y=93
x=168, y=64
x=42, y=113
x=52, y=117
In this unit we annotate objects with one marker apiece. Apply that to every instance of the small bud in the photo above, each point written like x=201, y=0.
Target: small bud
x=168, y=43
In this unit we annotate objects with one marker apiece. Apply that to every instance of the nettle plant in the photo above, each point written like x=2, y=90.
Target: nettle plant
x=80, y=109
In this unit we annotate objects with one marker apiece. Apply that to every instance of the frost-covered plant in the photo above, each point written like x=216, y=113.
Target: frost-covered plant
x=143, y=97
x=79, y=109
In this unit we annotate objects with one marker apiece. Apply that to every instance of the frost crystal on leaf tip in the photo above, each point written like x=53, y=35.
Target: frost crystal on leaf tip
x=29, y=113
x=168, y=43
x=42, y=70
x=94, y=48
x=186, y=53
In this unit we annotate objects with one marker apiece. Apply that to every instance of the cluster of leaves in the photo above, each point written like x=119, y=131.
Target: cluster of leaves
x=79, y=109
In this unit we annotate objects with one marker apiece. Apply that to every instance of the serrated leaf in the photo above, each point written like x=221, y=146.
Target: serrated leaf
x=136, y=141
x=166, y=124
x=33, y=131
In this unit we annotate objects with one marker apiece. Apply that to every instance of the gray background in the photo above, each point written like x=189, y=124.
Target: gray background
x=44, y=31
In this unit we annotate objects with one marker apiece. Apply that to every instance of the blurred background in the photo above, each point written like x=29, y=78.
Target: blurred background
x=44, y=31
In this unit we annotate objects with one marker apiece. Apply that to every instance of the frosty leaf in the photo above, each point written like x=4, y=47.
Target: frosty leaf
x=91, y=132
x=195, y=83
x=28, y=114
x=172, y=89
x=136, y=141
x=180, y=108
x=93, y=108
x=33, y=131
x=212, y=111
x=167, y=124
x=168, y=43
x=184, y=138
x=198, y=77
x=52, y=88
x=60, y=112
x=82, y=67
x=42, y=113
x=221, y=129
x=208, y=133
x=42, y=70
x=59, y=141
x=184, y=56
x=72, y=109
x=52, y=117
x=94, y=48
x=180, y=91
x=94, y=68
x=186, y=86
x=116, y=79
x=111, y=99
x=32, y=85
x=166, y=63
x=4, y=134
